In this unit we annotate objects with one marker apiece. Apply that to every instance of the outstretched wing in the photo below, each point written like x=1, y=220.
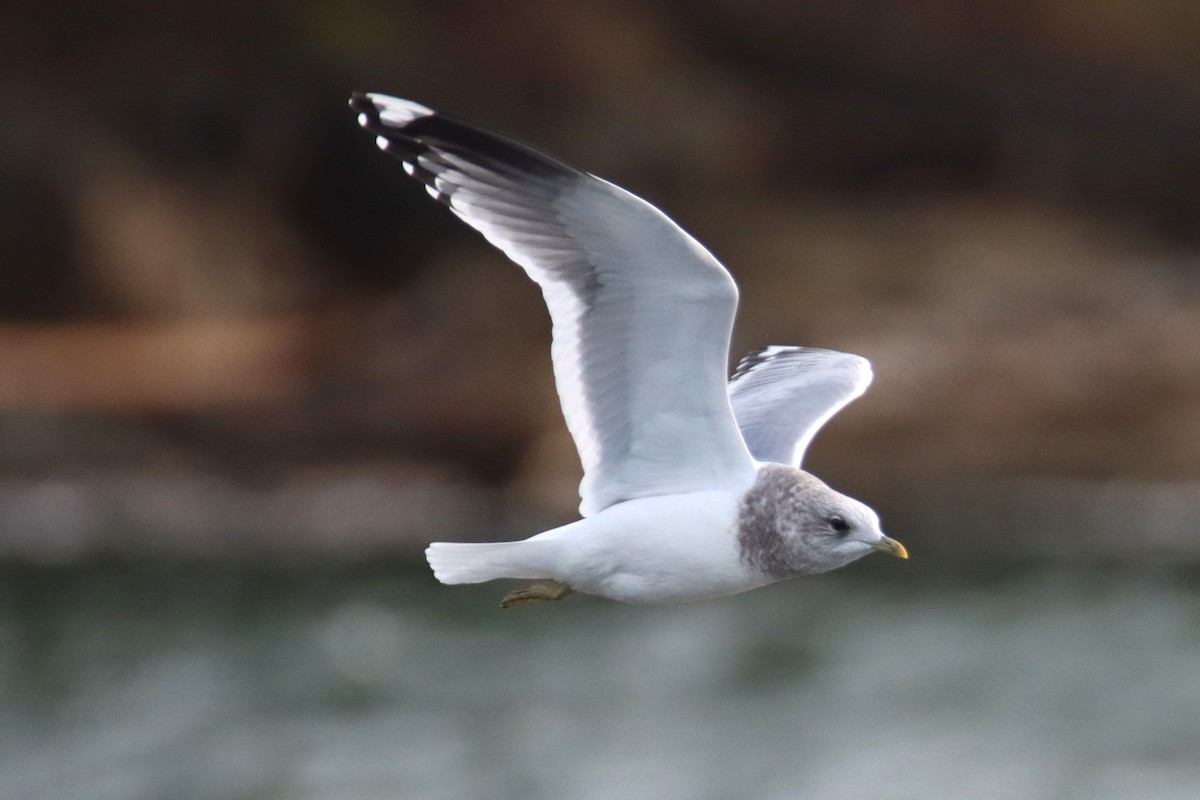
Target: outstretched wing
x=783, y=395
x=641, y=311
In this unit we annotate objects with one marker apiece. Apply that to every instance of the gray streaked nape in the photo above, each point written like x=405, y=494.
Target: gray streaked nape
x=781, y=500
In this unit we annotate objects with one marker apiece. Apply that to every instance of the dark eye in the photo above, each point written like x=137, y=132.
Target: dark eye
x=838, y=524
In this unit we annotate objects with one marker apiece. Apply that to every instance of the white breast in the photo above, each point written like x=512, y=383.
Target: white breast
x=666, y=549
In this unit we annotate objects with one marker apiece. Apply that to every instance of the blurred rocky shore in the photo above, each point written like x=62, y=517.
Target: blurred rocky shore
x=229, y=327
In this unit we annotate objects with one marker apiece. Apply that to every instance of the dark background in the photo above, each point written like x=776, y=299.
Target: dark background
x=228, y=324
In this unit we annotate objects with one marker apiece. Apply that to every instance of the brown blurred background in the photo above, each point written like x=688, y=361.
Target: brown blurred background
x=248, y=369
x=228, y=325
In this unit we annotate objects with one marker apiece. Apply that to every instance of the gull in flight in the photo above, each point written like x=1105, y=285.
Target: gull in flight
x=692, y=485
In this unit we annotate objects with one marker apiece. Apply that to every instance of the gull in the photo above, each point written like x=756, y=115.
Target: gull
x=692, y=485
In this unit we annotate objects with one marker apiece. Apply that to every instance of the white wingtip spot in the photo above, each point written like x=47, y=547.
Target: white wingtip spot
x=396, y=111
x=382, y=142
x=408, y=167
x=363, y=120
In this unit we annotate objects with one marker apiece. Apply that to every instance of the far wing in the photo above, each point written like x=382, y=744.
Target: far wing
x=782, y=396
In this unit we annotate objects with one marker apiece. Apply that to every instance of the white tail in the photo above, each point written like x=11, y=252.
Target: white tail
x=458, y=562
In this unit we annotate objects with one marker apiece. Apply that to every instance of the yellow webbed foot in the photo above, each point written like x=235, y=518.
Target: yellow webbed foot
x=536, y=592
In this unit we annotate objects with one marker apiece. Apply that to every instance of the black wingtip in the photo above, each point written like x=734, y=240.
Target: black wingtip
x=432, y=131
x=368, y=111
x=394, y=140
x=753, y=359
x=796, y=354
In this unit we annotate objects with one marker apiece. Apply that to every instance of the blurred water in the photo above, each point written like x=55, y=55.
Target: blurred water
x=205, y=682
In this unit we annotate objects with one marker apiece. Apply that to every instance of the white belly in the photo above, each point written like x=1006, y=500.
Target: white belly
x=653, y=550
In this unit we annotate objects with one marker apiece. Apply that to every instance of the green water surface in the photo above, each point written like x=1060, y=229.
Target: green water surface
x=883, y=681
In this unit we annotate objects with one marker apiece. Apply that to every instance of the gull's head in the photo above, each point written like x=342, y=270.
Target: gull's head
x=840, y=529
x=790, y=523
